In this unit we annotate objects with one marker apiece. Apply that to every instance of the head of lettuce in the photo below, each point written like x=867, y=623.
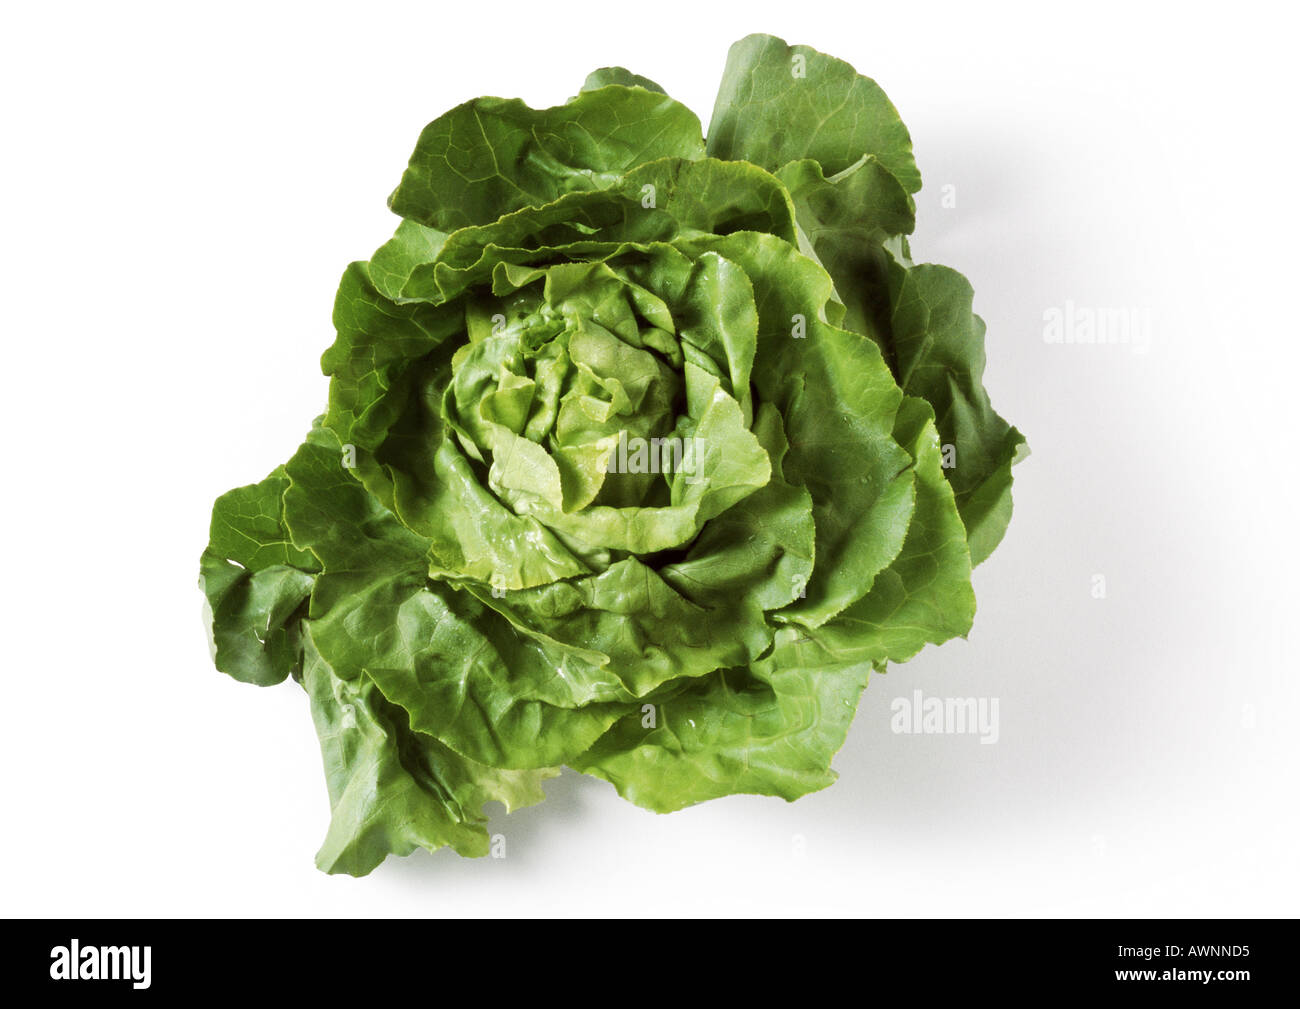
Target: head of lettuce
x=641, y=452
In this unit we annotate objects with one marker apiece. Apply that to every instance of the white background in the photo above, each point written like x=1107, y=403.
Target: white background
x=181, y=190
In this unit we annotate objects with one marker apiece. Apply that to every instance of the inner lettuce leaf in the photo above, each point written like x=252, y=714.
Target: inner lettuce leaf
x=641, y=452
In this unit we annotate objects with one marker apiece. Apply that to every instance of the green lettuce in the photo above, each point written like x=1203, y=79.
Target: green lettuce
x=642, y=451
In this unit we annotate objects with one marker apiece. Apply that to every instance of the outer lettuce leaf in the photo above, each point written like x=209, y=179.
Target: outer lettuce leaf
x=845, y=223
x=392, y=789
x=925, y=595
x=605, y=76
x=493, y=155
x=938, y=346
x=780, y=103
x=465, y=676
x=351, y=536
x=376, y=340
x=771, y=729
x=256, y=583
x=684, y=198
